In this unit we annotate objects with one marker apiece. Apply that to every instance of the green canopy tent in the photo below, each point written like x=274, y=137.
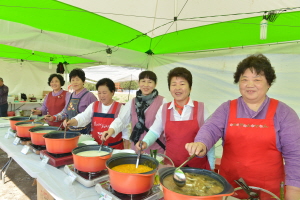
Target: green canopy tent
x=207, y=37
x=81, y=31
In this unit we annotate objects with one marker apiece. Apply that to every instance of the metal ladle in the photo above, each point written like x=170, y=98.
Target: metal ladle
x=65, y=131
x=179, y=177
x=139, y=155
x=102, y=143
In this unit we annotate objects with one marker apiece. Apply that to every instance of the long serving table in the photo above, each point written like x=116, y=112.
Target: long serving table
x=54, y=180
x=24, y=105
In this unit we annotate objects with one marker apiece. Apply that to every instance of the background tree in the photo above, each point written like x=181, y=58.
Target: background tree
x=129, y=85
x=90, y=86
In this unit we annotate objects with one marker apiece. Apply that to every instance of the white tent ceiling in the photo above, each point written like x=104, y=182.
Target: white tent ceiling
x=35, y=38
x=144, y=15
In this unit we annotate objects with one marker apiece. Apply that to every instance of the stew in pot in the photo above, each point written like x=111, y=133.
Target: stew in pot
x=196, y=185
x=130, y=168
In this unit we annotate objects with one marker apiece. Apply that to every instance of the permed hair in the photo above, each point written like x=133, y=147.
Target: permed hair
x=180, y=72
x=257, y=63
x=108, y=82
x=60, y=78
x=77, y=72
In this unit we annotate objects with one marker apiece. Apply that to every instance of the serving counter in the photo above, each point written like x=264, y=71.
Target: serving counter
x=53, y=179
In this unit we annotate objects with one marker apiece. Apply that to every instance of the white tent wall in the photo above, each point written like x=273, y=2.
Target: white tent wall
x=30, y=78
x=213, y=74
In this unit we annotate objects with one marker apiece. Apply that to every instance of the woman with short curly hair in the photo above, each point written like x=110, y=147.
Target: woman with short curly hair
x=54, y=101
x=258, y=133
x=79, y=100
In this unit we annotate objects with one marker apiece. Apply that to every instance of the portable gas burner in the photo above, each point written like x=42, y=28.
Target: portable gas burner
x=57, y=160
x=153, y=194
x=37, y=148
x=88, y=179
x=25, y=140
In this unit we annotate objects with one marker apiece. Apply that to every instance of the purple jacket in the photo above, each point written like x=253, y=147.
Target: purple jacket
x=86, y=100
x=287, y=126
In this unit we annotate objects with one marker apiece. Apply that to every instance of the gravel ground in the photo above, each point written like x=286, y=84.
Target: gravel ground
x=18, y=184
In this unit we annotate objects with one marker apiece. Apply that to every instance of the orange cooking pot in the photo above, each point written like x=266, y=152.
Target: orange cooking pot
x=23, y=128
x=36, y=134
x=129, y=183
x=91, y=164
x=170, y=195
x=57, y=144
x=15, y=120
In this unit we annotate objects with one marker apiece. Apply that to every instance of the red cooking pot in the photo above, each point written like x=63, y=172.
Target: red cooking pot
x=91, y=164
x=129, y=183
x=23, y=128
x=170, y=195
x=36, y=134
x=57, y=144
x=15, y=120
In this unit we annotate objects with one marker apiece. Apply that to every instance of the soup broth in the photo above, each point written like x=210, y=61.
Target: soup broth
x=43, y=131
x=196, y=185
x=130, y=168
x=29, y=124
x=92, y=153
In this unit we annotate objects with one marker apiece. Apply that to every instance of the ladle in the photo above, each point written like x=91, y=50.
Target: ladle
x=101, y=145
x=101, y=142
x=139, y=154
x=65, y=129
x=179, y=177
x=31, y=114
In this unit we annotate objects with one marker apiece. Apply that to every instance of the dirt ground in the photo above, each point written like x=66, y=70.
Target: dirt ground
x=18, y=184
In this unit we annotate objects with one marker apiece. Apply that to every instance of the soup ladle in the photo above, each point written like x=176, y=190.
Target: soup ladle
x=139, y=155
x=102, y=143
x=179, y=177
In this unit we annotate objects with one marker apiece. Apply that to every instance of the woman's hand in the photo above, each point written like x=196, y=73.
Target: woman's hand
x=197, y=148
x=72, y=122
x=126, y=144
x=36, y=112
x=49, y=118
x=106, y=134
x=144, y=145
x=292, y=193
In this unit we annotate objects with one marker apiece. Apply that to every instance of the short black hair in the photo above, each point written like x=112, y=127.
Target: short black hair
x=60, y=78
x=180, y=72
x=77, y=72
x=108, y=82
x=258, y=63
x=148, y=74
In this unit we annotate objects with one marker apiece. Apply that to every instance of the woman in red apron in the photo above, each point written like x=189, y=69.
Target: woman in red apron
x=55, y=101
x=101, y=114
x=180, y=120
x=140, y=112
x=258, y=133
x=77, y=103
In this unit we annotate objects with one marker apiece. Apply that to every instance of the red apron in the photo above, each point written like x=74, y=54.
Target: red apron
x=101, y=122
x=250, y=152
x=55, y=104
x=178, y=133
